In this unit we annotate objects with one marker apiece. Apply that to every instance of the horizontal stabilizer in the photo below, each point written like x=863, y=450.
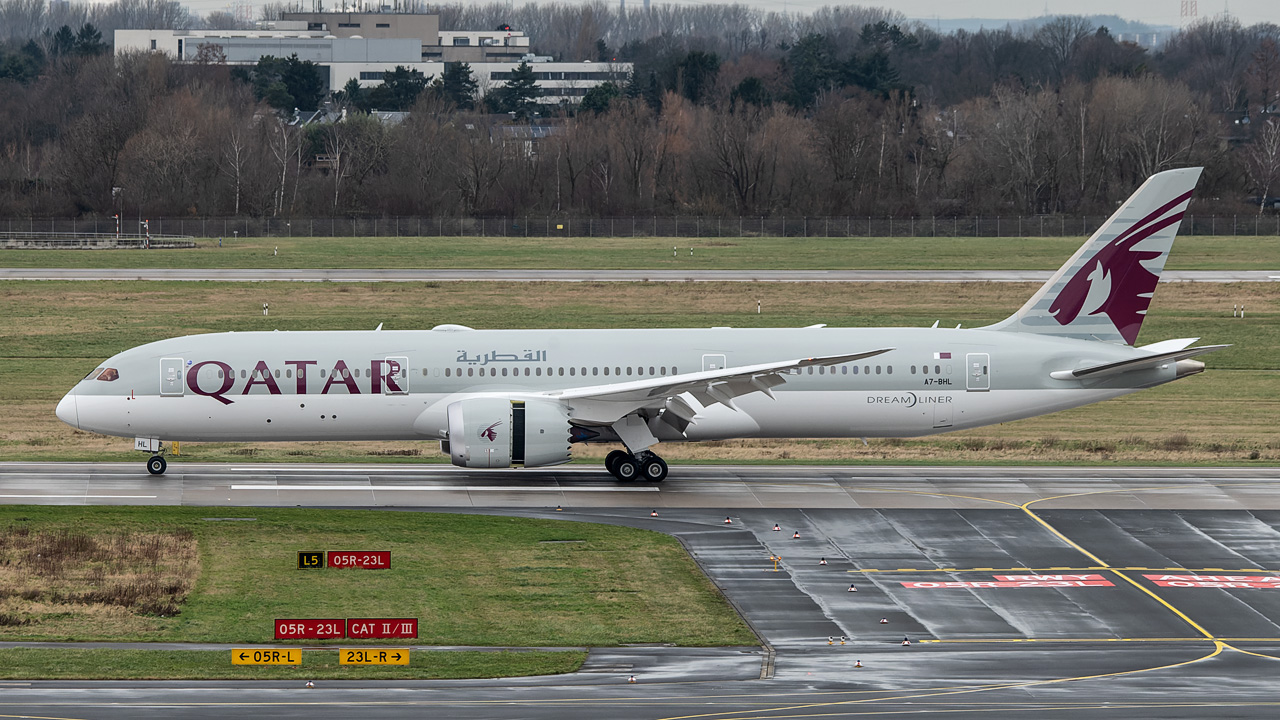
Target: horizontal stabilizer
x=1139, y=363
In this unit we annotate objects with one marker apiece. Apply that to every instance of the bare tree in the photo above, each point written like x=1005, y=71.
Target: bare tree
x=1262, y=160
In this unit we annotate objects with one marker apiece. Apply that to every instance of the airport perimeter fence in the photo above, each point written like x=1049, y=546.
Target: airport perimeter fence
x=631, y=227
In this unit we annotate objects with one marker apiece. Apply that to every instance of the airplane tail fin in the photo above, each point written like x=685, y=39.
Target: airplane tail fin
x=1103, y=291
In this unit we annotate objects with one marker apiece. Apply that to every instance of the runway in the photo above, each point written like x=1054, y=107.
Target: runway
x=520, y=275
x=1096, y=592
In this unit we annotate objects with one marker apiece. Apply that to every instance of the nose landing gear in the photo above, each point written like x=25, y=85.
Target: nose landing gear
x=156, y=465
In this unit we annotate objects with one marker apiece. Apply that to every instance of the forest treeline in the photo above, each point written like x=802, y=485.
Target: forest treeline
x=845, y=111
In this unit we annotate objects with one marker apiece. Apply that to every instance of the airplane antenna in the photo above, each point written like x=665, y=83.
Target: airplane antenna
x=378, y=328
x=934, y=326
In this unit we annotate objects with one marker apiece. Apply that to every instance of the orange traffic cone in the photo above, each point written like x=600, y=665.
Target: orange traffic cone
x=727, y=521
x=857, y=663
x=653, y=514
x=884, y=621
x=558, y=508
x=853, y=588
x=776, y=527
x=831, y=640
x=822, y=561
x=310, y=684
x=631, y=679
x=906, y=641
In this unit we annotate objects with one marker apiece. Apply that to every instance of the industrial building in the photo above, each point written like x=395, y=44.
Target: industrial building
x=365, y=45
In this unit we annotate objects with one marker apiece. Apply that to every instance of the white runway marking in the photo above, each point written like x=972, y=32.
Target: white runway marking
x=455, y=488
x=152, y=497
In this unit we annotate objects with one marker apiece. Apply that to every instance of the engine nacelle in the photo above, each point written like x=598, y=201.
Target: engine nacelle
x=498, y=433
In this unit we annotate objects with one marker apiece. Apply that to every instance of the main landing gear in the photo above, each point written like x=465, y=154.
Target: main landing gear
x=627, y=467
x=156, y=465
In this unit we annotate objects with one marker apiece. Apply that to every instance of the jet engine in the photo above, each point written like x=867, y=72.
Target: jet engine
x=498, y=433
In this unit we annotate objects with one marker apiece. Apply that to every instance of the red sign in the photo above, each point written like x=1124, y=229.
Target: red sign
x=366, y=560
x=1255, y=582
x=1027, y=578
x=1018, y=581
x=382, y=628
x=310, y=629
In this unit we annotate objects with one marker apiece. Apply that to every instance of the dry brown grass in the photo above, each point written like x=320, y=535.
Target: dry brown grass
x=66, y=581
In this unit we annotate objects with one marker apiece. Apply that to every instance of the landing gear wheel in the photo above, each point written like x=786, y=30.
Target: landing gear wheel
x=654, y=469
x=626, y=469
x=156, y=465
x=611, y=461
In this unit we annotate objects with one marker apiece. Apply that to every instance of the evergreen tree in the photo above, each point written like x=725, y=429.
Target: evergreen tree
x=457, y=85
x=89, y=41
x=519, y=94
x=352, y=95
x=62, y=42
x=598, y=98
x=751, y=91
x=399, y=89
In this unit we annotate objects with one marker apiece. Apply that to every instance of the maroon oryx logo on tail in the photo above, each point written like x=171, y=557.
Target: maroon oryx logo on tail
x=489, y=433
x=1113, y=281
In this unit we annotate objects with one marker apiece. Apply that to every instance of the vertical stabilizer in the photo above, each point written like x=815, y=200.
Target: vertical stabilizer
x=1103, y=291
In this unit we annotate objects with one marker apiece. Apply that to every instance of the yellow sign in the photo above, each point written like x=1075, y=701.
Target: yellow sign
x=260, y=656
x=373, y=656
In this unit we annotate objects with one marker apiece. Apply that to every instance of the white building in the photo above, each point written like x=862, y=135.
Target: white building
x=366, y=59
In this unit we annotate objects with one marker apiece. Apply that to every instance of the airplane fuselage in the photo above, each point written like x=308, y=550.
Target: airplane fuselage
x=397, y=385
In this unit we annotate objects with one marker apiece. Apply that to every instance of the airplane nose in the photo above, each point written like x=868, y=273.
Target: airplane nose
x=67, y=412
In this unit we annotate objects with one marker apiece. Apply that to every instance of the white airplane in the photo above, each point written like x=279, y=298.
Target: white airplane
x=503, y=398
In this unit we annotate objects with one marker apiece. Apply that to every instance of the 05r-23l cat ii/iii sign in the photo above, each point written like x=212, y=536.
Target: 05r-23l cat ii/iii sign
x=503, y=398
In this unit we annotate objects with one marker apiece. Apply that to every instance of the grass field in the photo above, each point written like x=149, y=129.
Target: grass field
x=1191, y=253
x=104, y=664
x=470, y=580
x=52, y=333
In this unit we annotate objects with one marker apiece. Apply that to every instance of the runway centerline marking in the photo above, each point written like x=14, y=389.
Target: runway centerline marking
x=455, y=488
x=131, y=497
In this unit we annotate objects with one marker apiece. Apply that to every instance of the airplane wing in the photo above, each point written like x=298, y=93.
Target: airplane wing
x=1138, y=363
x=607, y=403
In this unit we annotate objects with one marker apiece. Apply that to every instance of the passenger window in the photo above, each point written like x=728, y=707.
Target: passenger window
x=606, y=370
x=913, y=370
x=616, y=371
x=446, y=372
x=855, y=369
x=889, y=370
x=866, y=369
x=277, y=373
x=219, y=373
x=493, y=372
x=470, y=372
x=584, y=372
x=288, y=373
x=323, y=373
x=923, y=368
x=938, y=371
x=562, y=371
x=504, y=372
x=539, y=372
x=346, y=374
x=526, y=372
x=844, y=369
x=628, y=370
x=572, y=370
x=594, y=371
x=243, y=374
x=877, y=369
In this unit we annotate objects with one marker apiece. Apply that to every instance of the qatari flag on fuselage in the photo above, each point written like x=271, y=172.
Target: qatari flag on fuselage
x=942, y=356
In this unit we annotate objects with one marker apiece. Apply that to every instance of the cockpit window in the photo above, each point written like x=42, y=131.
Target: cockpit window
x=93, y=372
x=109, y=374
